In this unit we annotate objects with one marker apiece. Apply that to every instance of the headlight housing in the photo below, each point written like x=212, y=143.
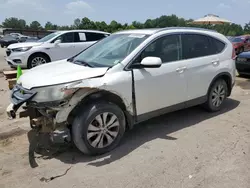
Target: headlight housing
x=53, y=93
x=22, y=49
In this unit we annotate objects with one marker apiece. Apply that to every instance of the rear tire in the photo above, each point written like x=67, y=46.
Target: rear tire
x=92, y=132
x=216, y=96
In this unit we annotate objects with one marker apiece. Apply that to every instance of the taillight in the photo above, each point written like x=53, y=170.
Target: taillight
x=234, y=54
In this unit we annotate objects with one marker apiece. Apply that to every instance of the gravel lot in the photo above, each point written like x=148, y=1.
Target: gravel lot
x=186, y=149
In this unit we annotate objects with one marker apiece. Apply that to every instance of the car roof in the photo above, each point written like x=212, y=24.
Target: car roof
x=152, y=31
x=91, y=31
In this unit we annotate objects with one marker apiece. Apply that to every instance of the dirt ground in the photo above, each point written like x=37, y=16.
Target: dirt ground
x=186, y=149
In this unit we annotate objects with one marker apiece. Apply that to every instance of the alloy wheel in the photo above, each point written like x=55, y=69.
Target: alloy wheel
x=103, y=130
x=37, y=61
x=218, y=95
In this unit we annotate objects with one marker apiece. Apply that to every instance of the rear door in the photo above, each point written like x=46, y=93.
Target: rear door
x=200, y=52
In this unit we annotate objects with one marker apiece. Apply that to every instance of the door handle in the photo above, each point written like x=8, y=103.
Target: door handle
x=181, y=69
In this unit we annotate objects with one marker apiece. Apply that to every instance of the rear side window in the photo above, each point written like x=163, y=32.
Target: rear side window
x=94, y=36
x=218, y=46
x=80, y=37
x=195, y=45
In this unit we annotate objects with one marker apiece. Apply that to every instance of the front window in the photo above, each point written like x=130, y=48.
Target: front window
x=237, y=39
x=110, y=51
x=48, y=37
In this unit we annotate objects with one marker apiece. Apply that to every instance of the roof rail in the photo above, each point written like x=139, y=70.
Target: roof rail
x=192, y=28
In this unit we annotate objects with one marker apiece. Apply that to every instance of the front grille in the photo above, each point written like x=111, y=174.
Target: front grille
x=20, y=95
x=8, y=52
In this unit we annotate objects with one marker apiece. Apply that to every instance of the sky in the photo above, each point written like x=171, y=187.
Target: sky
x=63, y=12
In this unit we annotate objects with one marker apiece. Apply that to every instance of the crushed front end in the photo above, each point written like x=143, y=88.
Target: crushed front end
x=42, y=115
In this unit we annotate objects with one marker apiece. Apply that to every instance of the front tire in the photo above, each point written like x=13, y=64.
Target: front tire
x=36, y=60
x=98, y=128
x=216, y=96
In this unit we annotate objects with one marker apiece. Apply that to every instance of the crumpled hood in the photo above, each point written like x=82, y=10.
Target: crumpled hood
x=58, y=72
x=24, y=44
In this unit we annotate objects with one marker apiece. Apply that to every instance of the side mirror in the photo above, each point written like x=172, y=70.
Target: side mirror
x=57, y=42
x=151, y=62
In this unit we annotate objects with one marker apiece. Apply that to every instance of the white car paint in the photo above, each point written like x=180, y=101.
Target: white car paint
x=53, y=51
x=155, y=88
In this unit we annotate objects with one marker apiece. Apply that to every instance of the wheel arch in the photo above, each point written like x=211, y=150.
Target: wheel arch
x=39, y=53
x=103, y=95
x=225, y=76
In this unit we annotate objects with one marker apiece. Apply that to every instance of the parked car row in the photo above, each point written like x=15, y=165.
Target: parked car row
x=241, y=43
x=13, y=38
x=242, y=48
x=53, y=47
x=92, y=96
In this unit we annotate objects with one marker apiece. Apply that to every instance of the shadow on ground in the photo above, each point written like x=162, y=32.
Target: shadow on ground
x=155, y=128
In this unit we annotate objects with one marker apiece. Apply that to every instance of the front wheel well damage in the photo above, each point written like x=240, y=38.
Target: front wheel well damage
x=101, y=96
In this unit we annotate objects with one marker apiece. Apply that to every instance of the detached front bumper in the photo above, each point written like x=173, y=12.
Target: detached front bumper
x=19, y=96
x=40, y=116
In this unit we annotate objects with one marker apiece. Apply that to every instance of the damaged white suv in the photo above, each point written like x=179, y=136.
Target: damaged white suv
x=125, y=79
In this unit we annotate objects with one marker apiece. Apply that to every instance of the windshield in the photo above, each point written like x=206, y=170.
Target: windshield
x=110, y=51
x=237, y=39
x=48, y=37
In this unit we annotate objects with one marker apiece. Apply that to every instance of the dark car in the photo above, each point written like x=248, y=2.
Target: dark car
x=241, y=43
x=31, y=39
x=7, y=40
x=243, y=63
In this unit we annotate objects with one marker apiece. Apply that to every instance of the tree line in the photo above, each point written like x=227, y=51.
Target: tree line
x=113, y=26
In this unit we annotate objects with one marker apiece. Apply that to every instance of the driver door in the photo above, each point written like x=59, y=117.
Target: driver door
x=158, y=88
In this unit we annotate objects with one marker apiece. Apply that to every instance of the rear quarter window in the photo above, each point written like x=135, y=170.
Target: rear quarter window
x=218, y=46
x=196, y=45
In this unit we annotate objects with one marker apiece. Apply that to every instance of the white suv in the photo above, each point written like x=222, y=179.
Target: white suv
x=53, y=47
x=125, y=79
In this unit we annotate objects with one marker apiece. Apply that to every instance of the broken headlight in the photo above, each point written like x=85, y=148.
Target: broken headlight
x=53, y=93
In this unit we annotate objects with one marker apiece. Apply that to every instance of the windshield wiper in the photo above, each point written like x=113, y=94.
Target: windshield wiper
x=82, y=63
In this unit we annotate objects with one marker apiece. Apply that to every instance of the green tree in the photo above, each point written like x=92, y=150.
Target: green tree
x=247, y=28
x=14, y=23
x=113, y=26
x=50, y=26
x=35, y=25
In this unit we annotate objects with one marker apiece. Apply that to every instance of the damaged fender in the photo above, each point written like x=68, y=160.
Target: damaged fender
x=85, y=88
